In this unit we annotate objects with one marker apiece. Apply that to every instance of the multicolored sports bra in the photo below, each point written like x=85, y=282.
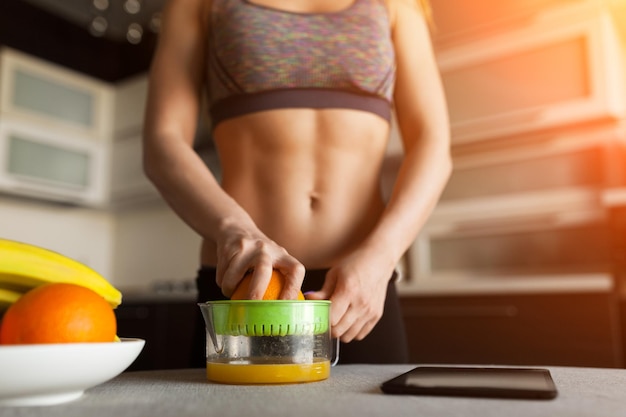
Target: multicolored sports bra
x=262, y=58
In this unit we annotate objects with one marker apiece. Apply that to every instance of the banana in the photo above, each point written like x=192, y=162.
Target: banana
x=8, y=297
x=24, y=266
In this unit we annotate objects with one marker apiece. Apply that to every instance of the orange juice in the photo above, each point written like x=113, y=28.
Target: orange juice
x=251, y=373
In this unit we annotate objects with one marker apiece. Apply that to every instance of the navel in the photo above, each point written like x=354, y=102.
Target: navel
x=314, y=201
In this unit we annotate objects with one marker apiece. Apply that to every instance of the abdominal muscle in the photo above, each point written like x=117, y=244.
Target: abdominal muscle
x=308, y=178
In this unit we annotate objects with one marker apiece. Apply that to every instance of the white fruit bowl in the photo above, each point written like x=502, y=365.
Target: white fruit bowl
x=47, y=374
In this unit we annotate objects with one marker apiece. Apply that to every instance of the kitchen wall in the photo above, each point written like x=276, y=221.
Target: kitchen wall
x=131, y=248
x=151, y=245
x=84, y=234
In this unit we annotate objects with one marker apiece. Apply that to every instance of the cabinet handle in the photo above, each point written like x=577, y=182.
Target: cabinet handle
x=506, y=311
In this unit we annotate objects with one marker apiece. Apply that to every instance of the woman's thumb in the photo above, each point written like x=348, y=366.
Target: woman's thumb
x=325, y=292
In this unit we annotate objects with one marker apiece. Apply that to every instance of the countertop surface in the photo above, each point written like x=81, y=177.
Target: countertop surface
x=351, y=390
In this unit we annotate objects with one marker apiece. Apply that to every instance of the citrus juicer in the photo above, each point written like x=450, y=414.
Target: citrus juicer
x=268, y=341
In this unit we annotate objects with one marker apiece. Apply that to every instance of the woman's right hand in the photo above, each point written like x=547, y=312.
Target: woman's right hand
x=240, y=250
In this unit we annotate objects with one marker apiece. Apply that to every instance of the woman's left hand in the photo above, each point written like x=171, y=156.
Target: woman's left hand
x=357, y=287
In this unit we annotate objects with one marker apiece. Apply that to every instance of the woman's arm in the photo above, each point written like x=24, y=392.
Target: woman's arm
x=422, y=116
x=187, y=185
x=357, y=285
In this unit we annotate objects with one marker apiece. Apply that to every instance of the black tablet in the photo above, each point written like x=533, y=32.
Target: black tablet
x=498, y=382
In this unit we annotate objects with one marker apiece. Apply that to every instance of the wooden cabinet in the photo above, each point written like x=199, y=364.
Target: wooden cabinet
x=534, y=236
x=459, y=21
x=515, y=264
x=572, y=329
x=574, y=158
x=617, y=215
x=566, y=68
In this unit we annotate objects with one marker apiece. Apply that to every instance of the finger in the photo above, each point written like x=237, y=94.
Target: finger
x=231, y=278
x=348, y=326
x=219, y=275
x=323, y=293
x=261, y=276
x=328, y=288
x=367, y=329
x=220, y=272
x=229, y=271
x=294, y=275
x=339, y=319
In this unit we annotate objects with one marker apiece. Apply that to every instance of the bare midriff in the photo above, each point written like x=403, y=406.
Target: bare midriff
x=308, y=178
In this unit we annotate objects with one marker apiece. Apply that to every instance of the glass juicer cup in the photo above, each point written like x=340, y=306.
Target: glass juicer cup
x=268, y=342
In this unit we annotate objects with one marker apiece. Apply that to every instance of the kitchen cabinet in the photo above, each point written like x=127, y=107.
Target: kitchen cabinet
x=458, y=21
x=166, y=324
x=617, y=212
x=564, y=69
x=570, y=158
x=52, y=165
x=521, y=210
x=615, y=199
x=56, y=127
x=517, y=263
x=86, y=132
x=524, y=235
x=33, y=91
x=573, y=329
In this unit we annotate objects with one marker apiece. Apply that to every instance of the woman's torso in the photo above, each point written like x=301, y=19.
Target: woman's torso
x=308, y=177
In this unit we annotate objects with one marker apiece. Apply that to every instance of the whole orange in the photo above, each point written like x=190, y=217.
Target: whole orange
x=272, y=292
x=58, y=313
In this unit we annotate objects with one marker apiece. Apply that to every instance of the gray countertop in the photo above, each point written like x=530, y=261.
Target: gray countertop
x=351, y=390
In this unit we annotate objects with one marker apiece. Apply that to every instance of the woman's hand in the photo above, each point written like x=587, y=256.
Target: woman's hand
x=357, y=287
x=240, y=250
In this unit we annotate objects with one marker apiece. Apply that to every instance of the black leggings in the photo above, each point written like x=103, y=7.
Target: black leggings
x=386, y=343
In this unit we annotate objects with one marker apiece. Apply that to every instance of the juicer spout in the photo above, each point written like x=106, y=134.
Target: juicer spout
x=209, y=323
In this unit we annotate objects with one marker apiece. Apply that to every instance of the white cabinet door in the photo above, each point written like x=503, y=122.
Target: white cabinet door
x=49, y=165
x=36, y=91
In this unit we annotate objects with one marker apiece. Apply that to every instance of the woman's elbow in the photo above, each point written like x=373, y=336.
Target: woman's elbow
x=447, y=163
x=151, y=162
